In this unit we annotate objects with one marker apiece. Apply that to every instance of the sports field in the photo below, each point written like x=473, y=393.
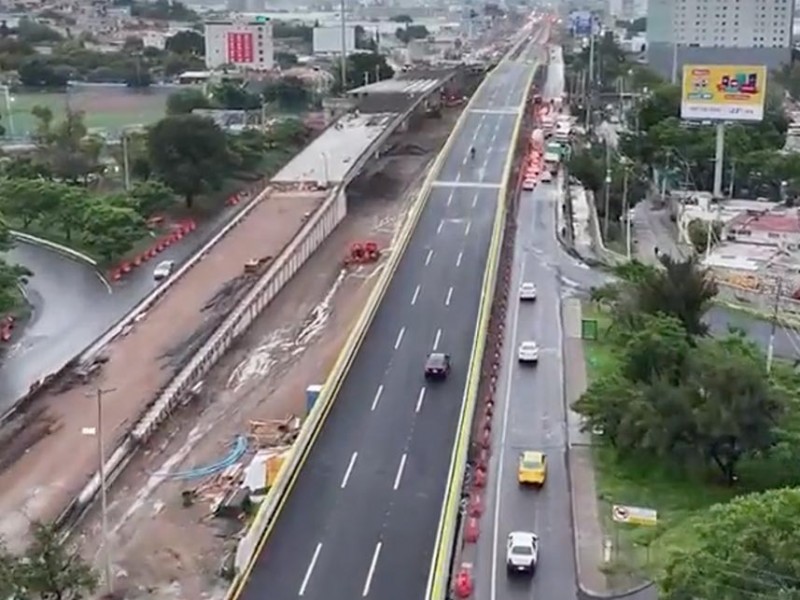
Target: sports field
x=110, y=108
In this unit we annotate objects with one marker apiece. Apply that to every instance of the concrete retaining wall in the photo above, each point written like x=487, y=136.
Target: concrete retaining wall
x=303, y=245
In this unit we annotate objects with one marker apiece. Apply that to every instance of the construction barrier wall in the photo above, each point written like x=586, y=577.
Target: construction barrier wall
x=293, y=256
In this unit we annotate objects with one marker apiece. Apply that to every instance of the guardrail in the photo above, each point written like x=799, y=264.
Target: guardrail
x=288, y=262
x=64, y=250
x=141, y=308
x=439, y=576
x=255, y=537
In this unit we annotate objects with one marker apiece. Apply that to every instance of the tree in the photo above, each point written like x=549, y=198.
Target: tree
x=411, y=32
x=234, y=96
x=286, y=60
x=183, y=102
x=111, y=228
x=289, y=93
x=50, y=570
x=65, y=146
x=36, y=71
x=699, y=233
x=152, y=197
x=712, y=403
x=25, y=200
x=361, y=64
x=746, y=548
x=132, y=43
x=186, y=42
x=32, y=32
x=189, y=153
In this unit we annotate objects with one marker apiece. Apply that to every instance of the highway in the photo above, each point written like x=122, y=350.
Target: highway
x=362, y=518
x=72, y=305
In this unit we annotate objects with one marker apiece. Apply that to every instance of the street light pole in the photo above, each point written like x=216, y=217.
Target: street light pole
x=101, y=457
x=125, y=161
x=627, y=210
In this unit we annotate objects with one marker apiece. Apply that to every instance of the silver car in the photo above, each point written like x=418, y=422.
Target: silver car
x=522, y=552
x=527, y=291
x=163, y=269
x=528, y=352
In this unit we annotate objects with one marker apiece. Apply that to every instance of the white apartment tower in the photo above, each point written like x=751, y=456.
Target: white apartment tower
x=744, y=32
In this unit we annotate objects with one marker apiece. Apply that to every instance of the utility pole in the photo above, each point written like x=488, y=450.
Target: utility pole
x=607, y=182
x=628, y=218
x=773, y=329
x=590, y=85
x=101, y=459
x=343, y=7
x=125, y=161
x=674, y=78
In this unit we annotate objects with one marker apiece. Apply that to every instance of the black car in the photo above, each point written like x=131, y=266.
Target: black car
x=437, y=366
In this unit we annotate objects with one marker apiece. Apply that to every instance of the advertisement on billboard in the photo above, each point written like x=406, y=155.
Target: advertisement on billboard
x=723, y=92
x=581, y=23
x=240, y=47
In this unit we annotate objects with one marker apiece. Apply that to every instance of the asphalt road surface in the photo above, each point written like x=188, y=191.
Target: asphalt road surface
x=362, y=518
x=73, y=305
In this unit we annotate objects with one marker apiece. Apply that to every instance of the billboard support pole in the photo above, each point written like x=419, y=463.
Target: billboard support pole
x=344, y=48
x=719, y=160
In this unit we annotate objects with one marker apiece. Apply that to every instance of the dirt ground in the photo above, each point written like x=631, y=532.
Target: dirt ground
x=164, y=551
x=34, y=484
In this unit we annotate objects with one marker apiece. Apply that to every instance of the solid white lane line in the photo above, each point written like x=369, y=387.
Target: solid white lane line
x=439, y=228
x=310, y=570
x=399, y=475
x=377, y=397
x=428, y=257
x=469, y=224
x=458, y=260
x=449, y=296
x=420, y=399
x=414, y=297
x=474, y=200
x=371, y=572
x=436, y=339
x=349, y=470
x=498, y=487
x=399, y=339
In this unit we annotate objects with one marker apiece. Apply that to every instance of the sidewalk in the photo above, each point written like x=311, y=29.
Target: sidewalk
x=587, y=529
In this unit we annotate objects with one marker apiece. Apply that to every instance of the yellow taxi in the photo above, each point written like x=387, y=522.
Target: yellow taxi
x=532, y=468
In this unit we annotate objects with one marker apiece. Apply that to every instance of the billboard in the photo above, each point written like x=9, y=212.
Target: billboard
x=240, y=47
x=723, y=92
x=328, y=40
x=581, y=23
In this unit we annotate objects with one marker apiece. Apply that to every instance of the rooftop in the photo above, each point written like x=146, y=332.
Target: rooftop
x=412, y=87
x=777, y=222
x=330, y=157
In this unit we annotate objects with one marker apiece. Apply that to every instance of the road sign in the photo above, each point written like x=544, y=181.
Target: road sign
x=634, y=515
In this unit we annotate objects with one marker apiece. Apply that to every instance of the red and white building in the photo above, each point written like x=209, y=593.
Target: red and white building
x=772, y=228
x=245, y=44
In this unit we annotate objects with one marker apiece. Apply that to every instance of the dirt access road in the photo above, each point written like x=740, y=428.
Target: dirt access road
x=46, y=459
x=162, y=550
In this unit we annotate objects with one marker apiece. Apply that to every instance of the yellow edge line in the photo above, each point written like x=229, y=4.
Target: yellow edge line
x=445, y=534
x=350, y=350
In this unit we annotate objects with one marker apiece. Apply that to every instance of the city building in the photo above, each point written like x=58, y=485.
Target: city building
x=771, y=228
x=734, y=32
x=245, y=44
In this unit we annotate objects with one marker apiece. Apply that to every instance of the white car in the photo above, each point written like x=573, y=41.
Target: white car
x=522, y=552
x=163, y=269
x=528, y=185
x=546, y=177
x=527, y=291
x=528, y=352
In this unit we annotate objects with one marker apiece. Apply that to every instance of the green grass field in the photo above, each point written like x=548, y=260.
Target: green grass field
x=106, y=108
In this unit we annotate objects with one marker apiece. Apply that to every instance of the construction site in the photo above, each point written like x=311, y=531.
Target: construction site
x=177, y=511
